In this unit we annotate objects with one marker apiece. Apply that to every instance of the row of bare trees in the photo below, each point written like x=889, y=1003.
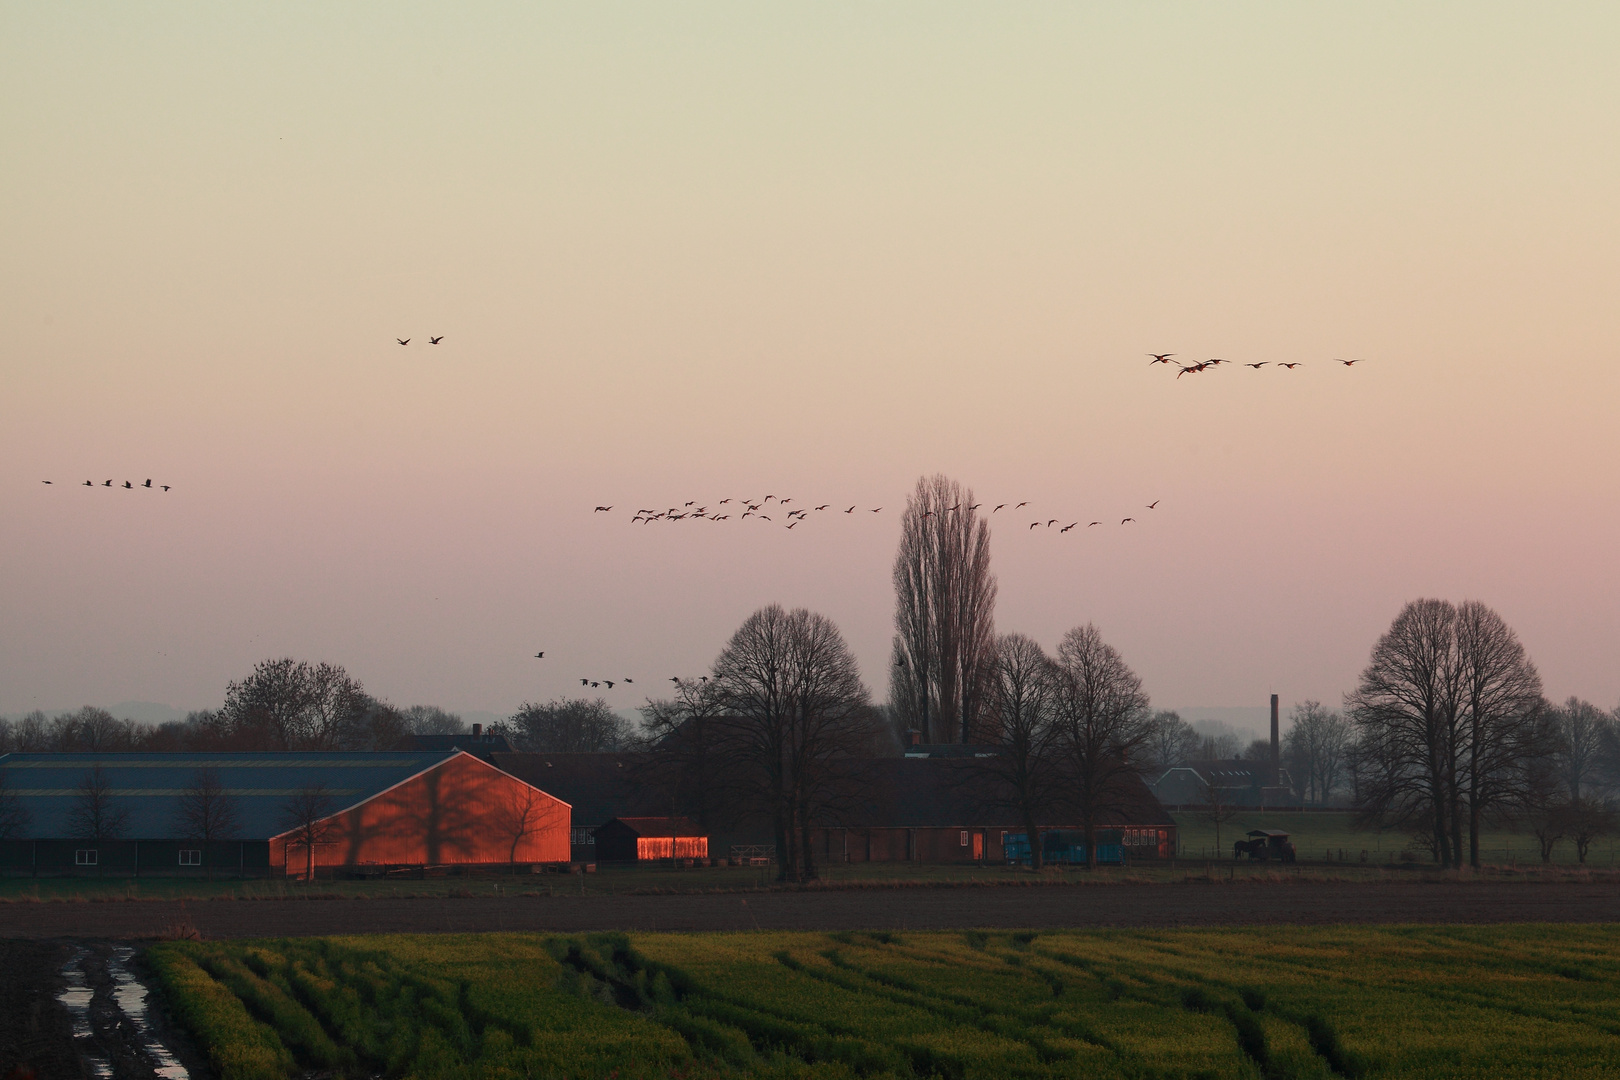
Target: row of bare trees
x=283, y=704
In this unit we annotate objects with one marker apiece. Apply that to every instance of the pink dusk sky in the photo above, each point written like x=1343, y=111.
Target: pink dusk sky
x=702, y=251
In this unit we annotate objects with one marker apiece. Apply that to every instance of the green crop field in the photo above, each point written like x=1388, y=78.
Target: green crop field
x=1275, y=1002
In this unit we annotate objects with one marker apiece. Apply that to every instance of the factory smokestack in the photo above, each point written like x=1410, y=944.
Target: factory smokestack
x=1276, y=746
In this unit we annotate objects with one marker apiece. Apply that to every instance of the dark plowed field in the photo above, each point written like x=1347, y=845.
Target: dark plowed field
x=915, y=908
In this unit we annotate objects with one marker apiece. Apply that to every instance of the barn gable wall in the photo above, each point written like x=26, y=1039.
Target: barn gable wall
x=461, y=811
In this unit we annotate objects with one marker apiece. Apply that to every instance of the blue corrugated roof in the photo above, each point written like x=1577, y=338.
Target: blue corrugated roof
x=148, y=786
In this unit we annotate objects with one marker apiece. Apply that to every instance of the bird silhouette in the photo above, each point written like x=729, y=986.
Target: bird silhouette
x=1051, y=523
x=165, y=487
x=1154, y=505
x=44, y=481
x=605, y=509
x=1020, y=506
x=878, y=510
x=784, y=502
x=998, y=508
x=766, y=517
x=106, y=483
x=823, y=506
x=1160, y=358
x=128, y=486
x=1069, y=526
x=541, y=655
x=147, y=484
x=675, y=679
x=629, y=682
x=1258, y=366
x=609, y=683
x=1349, y=363
x=1217, y=363
x=1033, y=524
x=1123, y=520
x=403, y=340
x=791, y=526
x=1290, y=367
x=584, y=682
x=435, y=340
x=88, y=483
x=1094, y=523
x=851, y=510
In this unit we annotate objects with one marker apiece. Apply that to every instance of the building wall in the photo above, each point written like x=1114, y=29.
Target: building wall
x=463, y=811
x=134, y=858
x=930, y=845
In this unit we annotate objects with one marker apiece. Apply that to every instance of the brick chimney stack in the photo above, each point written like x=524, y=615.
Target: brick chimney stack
x=1276, y=746
x=478, y=729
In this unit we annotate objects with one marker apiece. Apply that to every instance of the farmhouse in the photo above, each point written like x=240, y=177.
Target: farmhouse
x=938, y=809
x=366, y=812
x=1232, y=781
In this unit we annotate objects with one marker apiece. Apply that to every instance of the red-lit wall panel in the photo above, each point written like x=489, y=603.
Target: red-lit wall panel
x=463, y=811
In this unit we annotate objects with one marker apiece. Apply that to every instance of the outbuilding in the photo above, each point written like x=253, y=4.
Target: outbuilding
x=639, y=839
x=274, y=813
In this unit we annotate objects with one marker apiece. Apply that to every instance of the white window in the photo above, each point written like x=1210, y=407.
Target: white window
x=964, y=838
x=84, y=857
x=190, y=857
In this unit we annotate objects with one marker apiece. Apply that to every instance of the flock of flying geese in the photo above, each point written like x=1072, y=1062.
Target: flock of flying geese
x=743, y=509
x=108, y=483
x=1205, y=365
x=431, y=340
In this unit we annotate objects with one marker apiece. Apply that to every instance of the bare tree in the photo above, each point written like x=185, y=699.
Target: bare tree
x=687, y=763
x=1170, y=741
x=1020, y=718
x=206, y=811
x=96, y=813
x=14, y=816
x=1406, y=710
x=1102, y=721
x=290, y=704
x=29, y=736
x=307, y=817
x=1579, y=730
x=1316, y=750
x=1215, y=808
x=1588, y=820
x=432, y=720
x=1503, y=730
x=945, y=599
x=567, y=726
x=519, y=812
x=1448, y=714
x=795, y=718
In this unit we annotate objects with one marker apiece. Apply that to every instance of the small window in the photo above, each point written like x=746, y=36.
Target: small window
x=190, y=857
x=84, y=857
x=964, y=838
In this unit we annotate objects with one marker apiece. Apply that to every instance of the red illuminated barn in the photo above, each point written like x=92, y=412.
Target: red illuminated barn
x=459, y=811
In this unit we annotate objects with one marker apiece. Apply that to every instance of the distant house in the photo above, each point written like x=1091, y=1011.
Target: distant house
x=375, y=810
x=640, y=839
x=1238, y=783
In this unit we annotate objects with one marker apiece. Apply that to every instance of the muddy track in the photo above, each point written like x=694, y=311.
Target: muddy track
x=1192, y=904
x=80, y=1009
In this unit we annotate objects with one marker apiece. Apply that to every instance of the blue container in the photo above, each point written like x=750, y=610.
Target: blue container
x=1060, y=846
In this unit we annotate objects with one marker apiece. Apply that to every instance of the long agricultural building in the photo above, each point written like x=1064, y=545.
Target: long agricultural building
x=274, y=813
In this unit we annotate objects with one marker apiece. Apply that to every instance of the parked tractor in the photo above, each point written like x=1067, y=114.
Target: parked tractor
x=1265, y=845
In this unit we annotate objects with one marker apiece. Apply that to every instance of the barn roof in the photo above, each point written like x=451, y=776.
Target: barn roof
x=149, y=786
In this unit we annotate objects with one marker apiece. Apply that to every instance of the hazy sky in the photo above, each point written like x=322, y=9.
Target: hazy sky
x=706, y=251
